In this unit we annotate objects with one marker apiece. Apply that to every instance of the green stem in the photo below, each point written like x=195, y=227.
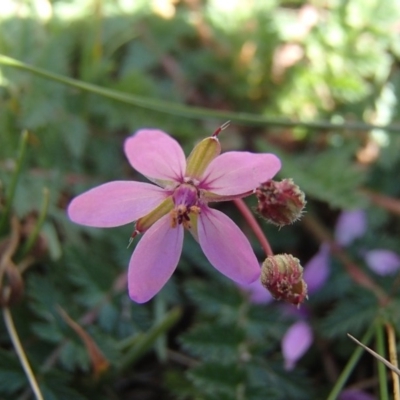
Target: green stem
x=333, y=395
x=42, y=216
x=188, y=111
x=13, y=185
x=20, y=352
x=380, y=348
x=146, y=340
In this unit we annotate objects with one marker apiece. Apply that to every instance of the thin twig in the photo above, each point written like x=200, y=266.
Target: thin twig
x=393, y=359
x=386, y=202
x=376, y=355
x=20, y=352
x=356, y=273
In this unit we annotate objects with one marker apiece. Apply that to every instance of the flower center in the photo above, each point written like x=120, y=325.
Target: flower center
x=186, y=198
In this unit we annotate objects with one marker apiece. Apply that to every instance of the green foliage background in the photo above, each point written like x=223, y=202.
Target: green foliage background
x=304, y=80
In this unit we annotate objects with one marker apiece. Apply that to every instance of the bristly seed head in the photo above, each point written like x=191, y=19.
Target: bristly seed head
x=282, y=275
x=280, y=203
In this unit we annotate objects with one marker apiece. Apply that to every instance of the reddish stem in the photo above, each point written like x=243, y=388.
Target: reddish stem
x=354, y=271
x=388, y=203
x=249, y=217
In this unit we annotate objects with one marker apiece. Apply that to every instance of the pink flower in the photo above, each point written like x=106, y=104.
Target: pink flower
x=296, y=341
x=317, y=270
x=178, y=200
x=350, y=226
x=382, y=262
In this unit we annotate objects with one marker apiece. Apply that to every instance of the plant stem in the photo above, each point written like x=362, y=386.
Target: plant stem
x=20, y=352
x=356, y=273
x=42, y=216
x=333, y=395
x=13, y=185
x=380, y=348
x=386, y=202
x=190, y=111
x=254, y=225
x=393, y=359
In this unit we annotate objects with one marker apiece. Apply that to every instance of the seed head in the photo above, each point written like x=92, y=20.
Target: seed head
x=282, y=275
x=280, y=203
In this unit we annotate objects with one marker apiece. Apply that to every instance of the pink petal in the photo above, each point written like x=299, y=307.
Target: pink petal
x=156, y=155
x=226, y=247
x=349, y=226
x=296, y=341
x=115, y=203
x=316, y=271
x=382, y=262
x=238, y=172
x=154, y=260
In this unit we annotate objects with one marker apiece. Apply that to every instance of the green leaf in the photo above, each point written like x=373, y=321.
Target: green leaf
x=215, y=299
x=329, y=176
x=352, y=315
x=215, y=378
x=57, y=386
x=214, y=342
x=12, y=376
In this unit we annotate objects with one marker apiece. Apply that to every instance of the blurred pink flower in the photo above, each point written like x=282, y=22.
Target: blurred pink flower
x=382, y=262
x=296, y=341
x=316, y=271
x=349, y=226
x=180, y=200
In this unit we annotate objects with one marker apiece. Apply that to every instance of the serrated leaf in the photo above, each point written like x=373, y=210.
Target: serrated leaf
x=329, y=176
x=215, y=299
x=56, y=386
x=215, y=378
x=213, y=342
x=73, y=356
x=12, y=376
x=267, y=376
x=351, y=315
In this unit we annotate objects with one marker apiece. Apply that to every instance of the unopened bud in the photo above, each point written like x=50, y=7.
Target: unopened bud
x=282, y=275
x=280, y=203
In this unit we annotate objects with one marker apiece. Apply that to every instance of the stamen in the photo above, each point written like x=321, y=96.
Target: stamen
x=180, y=215
x=221, y=128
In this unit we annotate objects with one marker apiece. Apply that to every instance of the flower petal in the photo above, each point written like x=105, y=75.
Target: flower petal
x=296, y=341
x=156, y=155
x=316, y=271
x=226, y=247
x=154, y=260
x=382, y=262
x=349, y=226
x=115, y=203
x=238, y=172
